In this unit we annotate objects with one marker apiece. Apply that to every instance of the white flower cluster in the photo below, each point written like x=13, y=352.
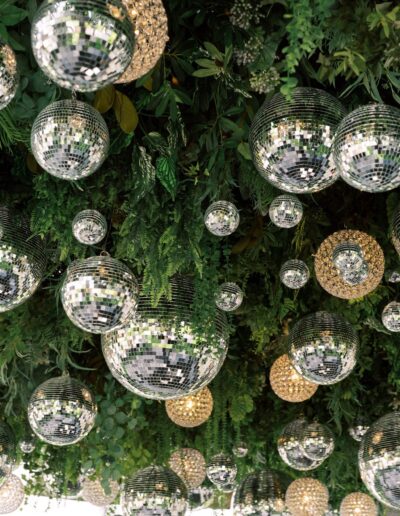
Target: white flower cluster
x=250, y=51
x=265, y=81
x=245, y=13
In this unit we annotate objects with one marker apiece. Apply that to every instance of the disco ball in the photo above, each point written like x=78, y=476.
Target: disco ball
x=150, y=24
x=221, y=470
x=391, y=316
x=307, y=497
x=392, y=276
x=191, y=411
x=7, y=451
x=99, y=294
x=240, y=449
x=62, y=411
x=348, y=257
x=12, y=494
x=160, y=354
x=89, y=227
x=287, y=384
x=155, y=491
x=290, y=447
x=291, y=140
x=189, y=465
x=221, y=218
x=8, y=75
x=379, y=460
x=70, y=139
x=82, y=45
x=27, y=445
x=359, y=428
x=366, y=148
x=286, y=211
x=323, y=348
x=229, y=297
x=294, y=274
x=358, y=504
x=317, y=441
x=94, y=493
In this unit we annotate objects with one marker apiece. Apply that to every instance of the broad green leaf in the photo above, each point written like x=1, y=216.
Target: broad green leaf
x=244, y=150
x=12, y=15
x=125, y=112
x=104, y=99
x=206, y=72
x=166, y=173
x=213, y=50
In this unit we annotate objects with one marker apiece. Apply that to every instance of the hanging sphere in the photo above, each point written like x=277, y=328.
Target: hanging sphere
x=154, y=490
x=348, y=257
x=317, y=441
x=392, y=276
x=240, y=449
x=379, y=460
x=99, y=294
x=94, y=493
x=229, y=297
x=294, y=274
x=222, y=218
x=359, y=428
x=286, y=211
x=8, y=75
x=70, y=139
x=221, y=470
x=291, y=140
x=189, y=465
x=358, y=504
x=62, y=411
x=191, y=411
x=27, y=445
x=366, y=148
x=287, y=384
x=7, y=451
x=89, y=227
x=391, y=316
x=159, y=354
x=323, y=348
x=307, y=497
x=12, y=494
x=290, y=447
x=82, y=45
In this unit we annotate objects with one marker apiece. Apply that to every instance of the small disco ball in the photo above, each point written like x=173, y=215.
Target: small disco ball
x=27, y=445
x=287, y=384
x=89, y=227
x=291, y=140
x=221, y=218
x=221, y=470
x=366, y=148
x=99, y=294
x=62, y=411
x=240, y=450
x=150, y=25
x=348, y=257
x=286, y=211
x=229, y=297
x=159, y=354
x=294, y=274
x=358, y=504
x=379, y=460
x=82, y=45
x=354, y=278
x=391, y=316
x=8, y=75
x=94, y=493
x=359, y=428
x=189, y=465
x=306, y=497
x=7, y=451
x=317, y=441
x=392, y=276
x=323, y=348
x=12, y=494
x=70, y=139
x=22, y=260
x=191, y=411
x=154, y=490
x=290, y=447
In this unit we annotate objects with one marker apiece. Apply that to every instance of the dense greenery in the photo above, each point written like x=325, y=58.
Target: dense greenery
x=189, y=147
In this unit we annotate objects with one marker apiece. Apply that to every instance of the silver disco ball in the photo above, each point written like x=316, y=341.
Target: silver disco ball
x=356, y=277
x=294, y=274
x=89, y=227
x=221, y=218
x=290, y=447
x=160, y=354
x=286, y=211
x=154, y=491
x=99, y=294
x=70, y=139
x=221, y=470
x=82, y=45
x=94, y=493
x=359, y=428
x=317, y=441
x=240, y=449
x=348, y=257
x=8, y=454
x=22, y=260
x=12, y=494
x=291, y=140
x=8, y=75
x=229, y=297
x=391, y=316
x=27, y=445
x=392, y=276
x=379, y=460
x=366, y=148
x=62, y=411
x=323, y=348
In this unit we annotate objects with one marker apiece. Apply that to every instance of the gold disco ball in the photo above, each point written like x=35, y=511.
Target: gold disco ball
x=358, y=504
x=190, y=411
x=189, y=465
x=287, y=384
x=307, y=497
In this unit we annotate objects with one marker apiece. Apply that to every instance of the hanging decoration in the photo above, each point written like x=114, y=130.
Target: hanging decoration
x=358, y=504
x=307, y=497
x=359, y=428
x=12, y=494
x=391, y=316
x=317, y=441
x=189, y=465
x=62, y=411
x=89, y=227
x=94, y=493
x=286, y=211
x=287, y=384
x=229, y=297
x=27, y=445
x=222, y=470
x=7, y=451
x=222, y=218
x=240, y=450
x=294, y=274
x=191, y=411
x=8, y=75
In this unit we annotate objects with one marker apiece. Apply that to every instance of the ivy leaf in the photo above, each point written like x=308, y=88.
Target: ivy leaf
x=166, y=173
x=104, y=99
x=125, y=112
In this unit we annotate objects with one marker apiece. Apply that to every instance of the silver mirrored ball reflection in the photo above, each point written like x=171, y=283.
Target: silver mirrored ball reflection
x=240, y=449
x=229, y=297
x=317, y=441
x=286, y=211
x=221, y=470
x=221, y=218
x=89, y=227
x=391, y=316
x=348, y=257
x=290, y=447
x=294, y=274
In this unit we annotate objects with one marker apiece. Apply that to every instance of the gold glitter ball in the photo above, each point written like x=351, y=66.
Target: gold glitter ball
x=307, y=497
x=94, y=493
x=358, y=504
x=287, y=384
x=8, y=75
x=192, y=410
x=189, y=465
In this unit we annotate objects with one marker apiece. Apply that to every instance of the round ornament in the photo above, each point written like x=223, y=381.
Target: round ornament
x=317, y=441
x=291, y=141
x=359, y=428
x=229, y=297
x=191, y=411
x=8, y=454
x=154, y=490
x=391, y=316
x=70, y=139
x=62, y=411
x=366, y=148
x=8, y=75
x=286, y=211
x=221, y=470
x=348, y=257
x=294, y=274
x=27, y=445
x=221, y=218
x=159, y=354
x=99, y=294
x=12, y=494
x=82, y=45
x=290, y=447
x=307, y=497
x=358, y=504
x=240, y=450
x=392, y=276
x=94, y=493
x=379, y=460
x=89, y=227
x=189, y=465
x=287, y=384
x=150, y=25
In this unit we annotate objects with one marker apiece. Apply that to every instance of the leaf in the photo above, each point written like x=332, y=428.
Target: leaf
x=213, y=51
x=12, y=15
x=32, y=164
x=206, y=72
x=166, y=173
x=241, y=405
x=104, y=99
x=244, y=150
x=125, y=112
